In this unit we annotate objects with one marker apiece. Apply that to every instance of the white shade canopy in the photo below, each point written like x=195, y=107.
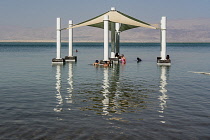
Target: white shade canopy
x=127, y=22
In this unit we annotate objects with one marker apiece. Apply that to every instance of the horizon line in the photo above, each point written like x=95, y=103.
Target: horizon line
x=53, y=41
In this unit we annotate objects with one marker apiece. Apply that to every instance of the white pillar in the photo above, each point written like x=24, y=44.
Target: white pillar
x=113, y=48
x=70, y=38
x=58, y=38
x=113, y=9
x=112, y=40
x=163, y=38
x=117, y=28
x=106, y=38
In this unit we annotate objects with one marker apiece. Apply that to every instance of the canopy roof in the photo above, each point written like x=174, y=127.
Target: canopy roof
x=127, y=22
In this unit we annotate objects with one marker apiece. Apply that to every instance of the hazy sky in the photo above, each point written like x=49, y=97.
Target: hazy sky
x=43, y=13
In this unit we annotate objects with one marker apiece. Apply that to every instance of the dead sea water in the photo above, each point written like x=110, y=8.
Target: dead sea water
x=79, y=101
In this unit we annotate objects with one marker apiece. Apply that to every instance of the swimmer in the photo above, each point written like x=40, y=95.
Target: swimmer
x=138, y=59
x=123, y=59
x=106, y=64
x=96, y=62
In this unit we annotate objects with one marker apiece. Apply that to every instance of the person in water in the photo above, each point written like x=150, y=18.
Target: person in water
x=138, y=59
x=106, y=64
x=123, y=59
x=96, y=62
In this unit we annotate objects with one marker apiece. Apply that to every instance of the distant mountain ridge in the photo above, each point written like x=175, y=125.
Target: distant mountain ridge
x=185, y=30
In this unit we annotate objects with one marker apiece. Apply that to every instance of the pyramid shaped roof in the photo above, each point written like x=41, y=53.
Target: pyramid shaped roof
x=127, y=22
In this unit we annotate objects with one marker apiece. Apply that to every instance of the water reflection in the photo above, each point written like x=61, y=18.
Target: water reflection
x=111, y=90
x=70, y=82
x=163, y=97
x=105, y=92
x=61, y=97
x=115, y=86
x=117, y=95
x=110, y=94
x=58, y=96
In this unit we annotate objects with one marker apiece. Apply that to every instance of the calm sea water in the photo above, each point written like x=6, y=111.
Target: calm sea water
x=39, y=100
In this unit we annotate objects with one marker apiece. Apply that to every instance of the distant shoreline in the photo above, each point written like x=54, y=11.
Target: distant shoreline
x=53, y=41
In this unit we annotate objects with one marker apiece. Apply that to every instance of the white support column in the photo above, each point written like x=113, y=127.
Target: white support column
x=113, y=36
x=113, y=40
x=70, y=38
x=163, y=38
x=117, y=28
x=106, y=38
x=58, y=38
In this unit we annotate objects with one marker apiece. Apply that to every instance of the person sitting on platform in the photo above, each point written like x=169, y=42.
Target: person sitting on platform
x=117, y=55
x=96, y=62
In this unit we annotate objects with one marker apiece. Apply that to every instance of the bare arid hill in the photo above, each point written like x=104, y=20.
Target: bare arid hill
x=186, y=30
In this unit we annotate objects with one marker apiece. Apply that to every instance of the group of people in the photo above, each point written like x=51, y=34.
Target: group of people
x=121, y=58
x=105, y=64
